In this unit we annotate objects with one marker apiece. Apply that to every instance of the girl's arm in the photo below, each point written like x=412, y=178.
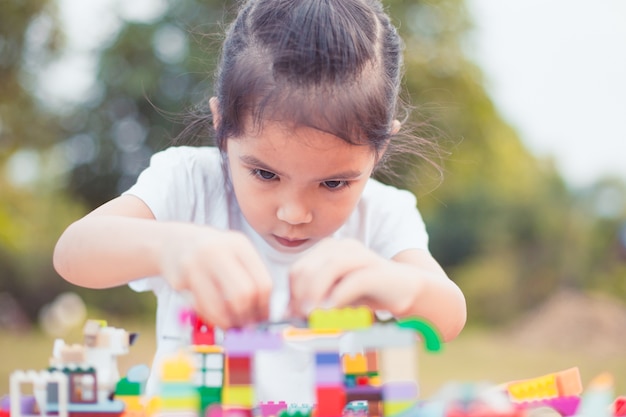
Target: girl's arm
x=121, y=241
x=340, y=273
x=111, y=246
x=435, y=296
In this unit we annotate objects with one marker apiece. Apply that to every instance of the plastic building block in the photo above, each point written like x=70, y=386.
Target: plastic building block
x=364, y=393
x=268, y=409
x=354, y=364
x=177, y=368
x=344, y=319
x=328, y=375
x=362, y=380
x=398, y=364
x=372, y=360
x=330, y=401
x=238, y=395
x=619, y=407
x=398, y=391
x=569, y=382
x=430, y=335
x=565, y=406
x=208, y=396
x=203, y=334
x=391, y=408
x=239, y=370
x=247, y=341
x=327, y=358
x=534, y=389
x=38, y=379
x=294, y=413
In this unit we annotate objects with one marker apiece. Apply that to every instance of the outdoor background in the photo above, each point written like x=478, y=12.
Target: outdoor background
x=535, y=237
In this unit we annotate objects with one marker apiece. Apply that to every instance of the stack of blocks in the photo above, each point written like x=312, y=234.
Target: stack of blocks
x=178, y=395
x=383, y=375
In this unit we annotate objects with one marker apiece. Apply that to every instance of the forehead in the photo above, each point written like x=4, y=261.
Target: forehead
x=293, y=149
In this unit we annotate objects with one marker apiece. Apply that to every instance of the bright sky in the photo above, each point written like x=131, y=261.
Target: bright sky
x=557, y=71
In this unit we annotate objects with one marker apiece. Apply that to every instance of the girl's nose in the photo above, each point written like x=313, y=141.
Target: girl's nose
x=294, y=212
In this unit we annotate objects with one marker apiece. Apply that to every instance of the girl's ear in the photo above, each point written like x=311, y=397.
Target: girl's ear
x=395, y=127
x=214, y=105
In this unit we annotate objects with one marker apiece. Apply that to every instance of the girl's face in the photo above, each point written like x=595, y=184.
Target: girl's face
x=297, y=186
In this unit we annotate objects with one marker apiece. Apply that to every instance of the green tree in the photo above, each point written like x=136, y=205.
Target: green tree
x=501, y=221
x=32, y=209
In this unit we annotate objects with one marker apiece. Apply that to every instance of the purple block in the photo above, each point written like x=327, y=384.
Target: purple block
x=27, y=404
x=247, y=342
x=400, y=391
x=328, y=375
x=566, y=406
x=364, y=393
x=5, y=403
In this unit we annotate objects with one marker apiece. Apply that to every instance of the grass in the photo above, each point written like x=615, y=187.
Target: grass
x=475, y=356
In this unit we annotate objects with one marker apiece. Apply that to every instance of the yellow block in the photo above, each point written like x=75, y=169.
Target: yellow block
x=375, y=381
x=348, y=318
x=178, y=368
x=132, y=402
x=533, y=389
x=189, y=403
x=391, y=408
x=239, y=395
x=153, y=406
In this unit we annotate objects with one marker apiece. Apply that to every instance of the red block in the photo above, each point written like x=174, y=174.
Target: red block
x=239, y=370
x=619, y=407
x=362, y=380
x=203, y=334
x=330, y=401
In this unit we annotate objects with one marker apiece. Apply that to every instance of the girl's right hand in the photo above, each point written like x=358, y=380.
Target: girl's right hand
x=221, y=270
x=121, y=241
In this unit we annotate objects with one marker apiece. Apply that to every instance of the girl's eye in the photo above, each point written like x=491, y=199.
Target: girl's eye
x=335, y=184
x=263, y=174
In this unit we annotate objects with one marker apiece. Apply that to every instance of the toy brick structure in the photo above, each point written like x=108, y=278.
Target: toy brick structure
x=205, y=379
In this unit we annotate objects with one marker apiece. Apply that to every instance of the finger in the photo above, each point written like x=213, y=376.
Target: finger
x=207, y=302
x=236, y=291
x=360, y=287
x=244, y=282
x=314, y=277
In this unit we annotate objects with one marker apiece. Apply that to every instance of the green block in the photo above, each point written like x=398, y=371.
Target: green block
x=125, y=387
x=208, y=396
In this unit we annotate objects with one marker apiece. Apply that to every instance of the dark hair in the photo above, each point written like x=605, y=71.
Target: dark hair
x=333, y=65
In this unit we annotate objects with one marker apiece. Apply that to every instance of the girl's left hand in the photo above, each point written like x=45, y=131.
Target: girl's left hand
x=340, y=273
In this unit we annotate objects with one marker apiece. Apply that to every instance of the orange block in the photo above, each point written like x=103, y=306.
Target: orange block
x=569, y=382
x=356, y=364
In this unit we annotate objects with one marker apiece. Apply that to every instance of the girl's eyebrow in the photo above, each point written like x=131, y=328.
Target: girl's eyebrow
x=256, y=162
x=350, y=174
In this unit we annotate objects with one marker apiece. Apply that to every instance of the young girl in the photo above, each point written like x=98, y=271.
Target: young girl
x=282, y=216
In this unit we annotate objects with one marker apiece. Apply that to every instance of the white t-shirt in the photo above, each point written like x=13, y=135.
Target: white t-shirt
x=187, y=184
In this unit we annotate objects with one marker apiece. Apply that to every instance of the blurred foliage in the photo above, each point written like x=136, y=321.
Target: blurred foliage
x=502, y=222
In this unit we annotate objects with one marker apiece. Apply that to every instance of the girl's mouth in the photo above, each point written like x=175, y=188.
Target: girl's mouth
x=290, y=243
